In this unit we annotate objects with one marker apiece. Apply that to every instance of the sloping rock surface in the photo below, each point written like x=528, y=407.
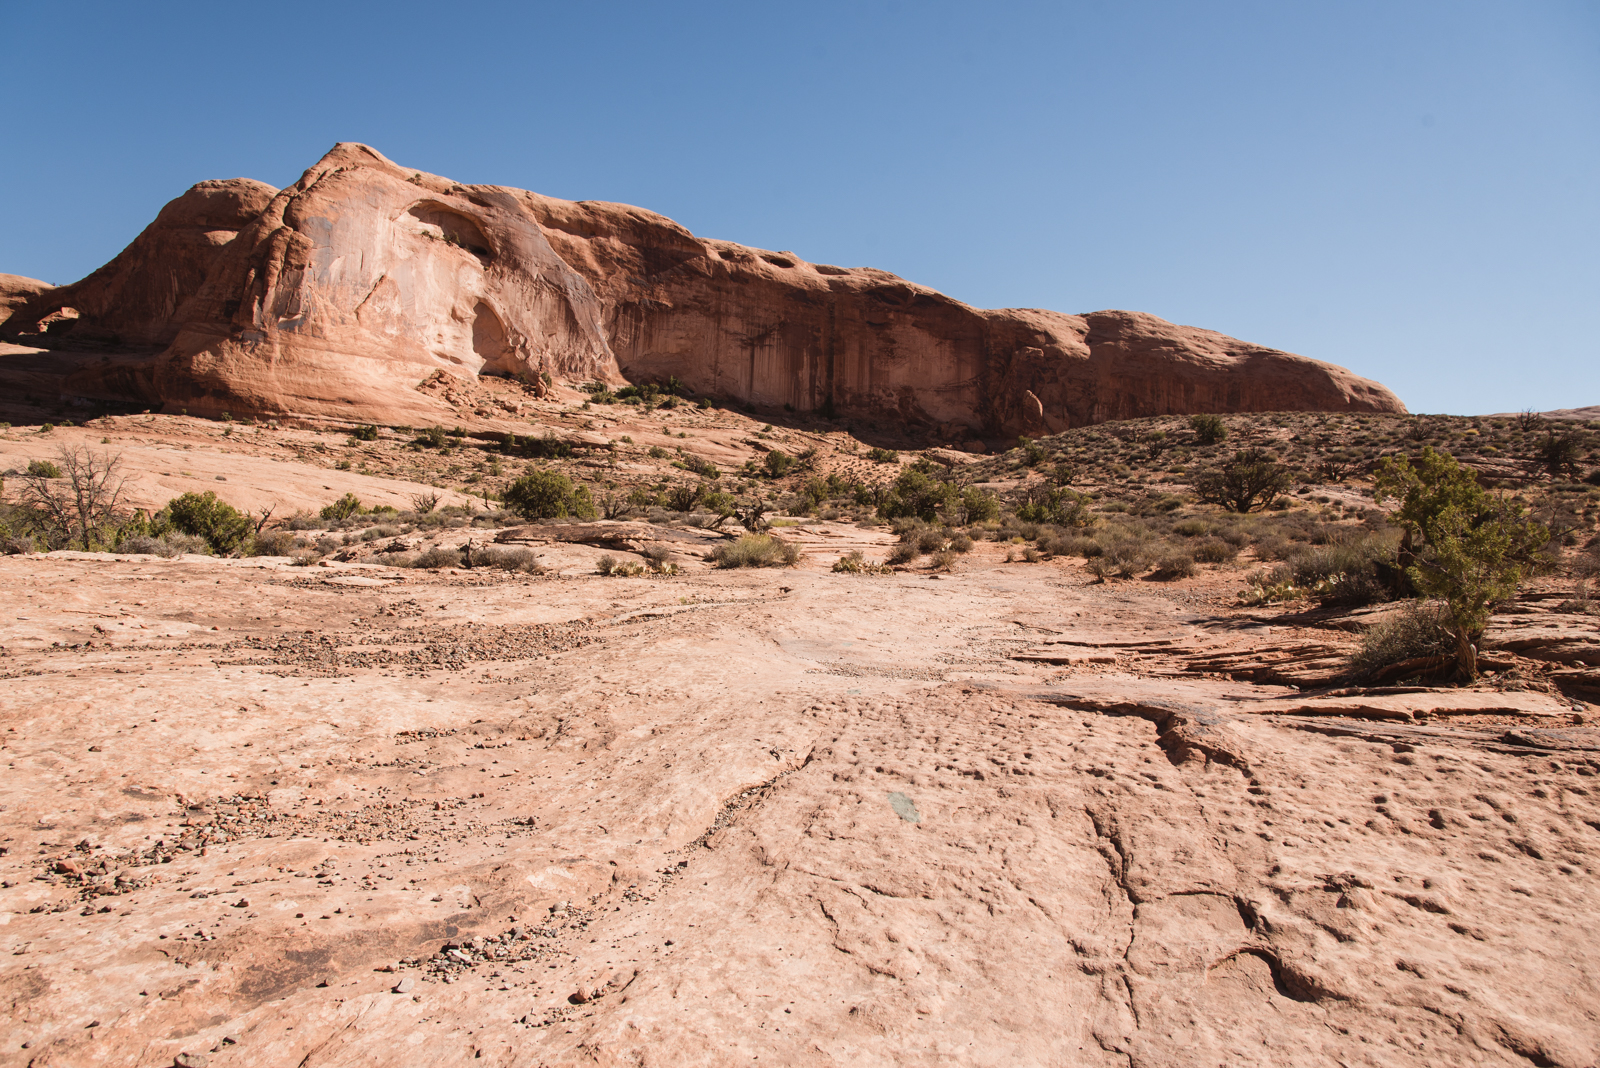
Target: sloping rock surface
x=337, y=296
x=16, y=291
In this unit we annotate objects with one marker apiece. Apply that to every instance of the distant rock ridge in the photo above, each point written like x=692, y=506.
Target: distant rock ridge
x=338, y=296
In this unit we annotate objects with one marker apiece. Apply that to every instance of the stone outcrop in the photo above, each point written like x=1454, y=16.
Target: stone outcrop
x=16, y=292
x=337, y=296
x=141, y=298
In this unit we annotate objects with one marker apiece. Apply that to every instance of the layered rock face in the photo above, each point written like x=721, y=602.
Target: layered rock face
x=337, y=296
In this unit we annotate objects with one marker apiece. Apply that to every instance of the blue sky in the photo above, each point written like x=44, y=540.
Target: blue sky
x=1411, y=190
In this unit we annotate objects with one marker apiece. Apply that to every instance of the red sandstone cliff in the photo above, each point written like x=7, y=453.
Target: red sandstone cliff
x=337, y=296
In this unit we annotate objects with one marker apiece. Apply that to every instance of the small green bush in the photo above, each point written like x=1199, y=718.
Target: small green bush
x=1208, y=429
x=43, y=469
x=777, y=463
x=343, y=508
x=916, y=494
x=433, y=437
x=225, y=529
x=542, y=494
x=1055, y=504
x=883, y=456
x=365, y=433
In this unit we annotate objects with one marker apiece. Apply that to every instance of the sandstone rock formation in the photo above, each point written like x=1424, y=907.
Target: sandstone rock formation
x=16, y=291
x=337, y=296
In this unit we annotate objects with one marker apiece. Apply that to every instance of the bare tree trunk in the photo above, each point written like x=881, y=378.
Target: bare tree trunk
x=1466, y=656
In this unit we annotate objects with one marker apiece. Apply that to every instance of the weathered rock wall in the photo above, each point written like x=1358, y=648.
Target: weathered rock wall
x=337, y=296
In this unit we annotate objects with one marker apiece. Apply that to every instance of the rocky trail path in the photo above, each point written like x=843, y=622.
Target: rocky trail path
x=273, y=816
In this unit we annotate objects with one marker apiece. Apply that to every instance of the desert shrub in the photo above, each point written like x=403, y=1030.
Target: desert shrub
x=433, y=437
x=777, y=463
x=658, y=558
x=702, y=467
x=437, y=557
x=1055, y=504
x=883, y=456
x=1032, y=555
x=944, y=560
x=174, y=543
x=547, y=447
x=903, y=553
x=1417, y=638
x=1208, y=429
x=542, y=494
x=343, y=508
x=1559, y=454
x=1461, y=544
x=916, y=494
x=928, y=539
x=961, y=543
x=1350, y=571
x=1214, y=551
x=757, y=550
x=1251, y=480
x=1071, y=545
x=975, y=506
x=365, y=433
x=43, y=469
x=1129, y=550
x=1237, y=534
x=1175, y=564
x=225, y=529
x=853, y=563
x=514, y=558
x=1191, y=528
x=273, y=543
x=1100, y=567
x=683, y=497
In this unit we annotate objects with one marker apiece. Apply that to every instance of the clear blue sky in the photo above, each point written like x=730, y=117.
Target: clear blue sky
x=1409, y=189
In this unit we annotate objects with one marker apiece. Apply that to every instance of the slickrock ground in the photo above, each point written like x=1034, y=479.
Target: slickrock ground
x=789, y=815
x=254, y=813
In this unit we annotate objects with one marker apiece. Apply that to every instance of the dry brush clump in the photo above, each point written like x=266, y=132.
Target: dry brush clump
x=1414, y=640
x=855, y=563
x=756, y=550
